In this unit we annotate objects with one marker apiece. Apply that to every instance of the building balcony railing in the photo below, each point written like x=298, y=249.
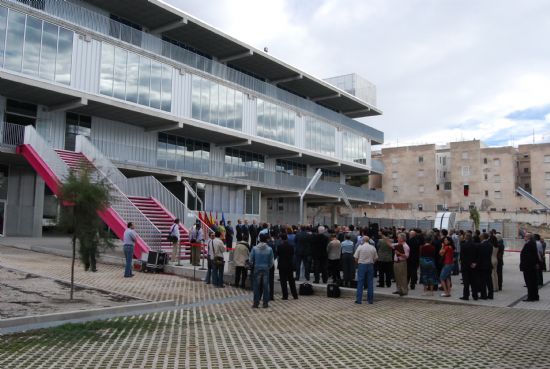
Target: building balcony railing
x=222, y=171
x=11, y=134
x=104, y=25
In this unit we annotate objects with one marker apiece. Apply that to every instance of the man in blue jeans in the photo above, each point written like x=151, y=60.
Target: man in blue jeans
x=262, y=259
x=129, y=240
x=365, y=257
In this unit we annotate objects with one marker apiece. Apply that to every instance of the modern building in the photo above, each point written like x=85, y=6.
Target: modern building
x=464, y=174
x=155, y=97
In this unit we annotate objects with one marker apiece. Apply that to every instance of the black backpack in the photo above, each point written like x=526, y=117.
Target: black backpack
x=306, y=289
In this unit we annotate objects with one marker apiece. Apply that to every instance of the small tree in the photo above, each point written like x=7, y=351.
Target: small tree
x=81, y=198
x=474, y=216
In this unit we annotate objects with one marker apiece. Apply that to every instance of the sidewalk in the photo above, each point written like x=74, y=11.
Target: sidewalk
x=511, y=295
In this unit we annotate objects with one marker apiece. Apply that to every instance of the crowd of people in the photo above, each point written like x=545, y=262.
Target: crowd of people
x=354, y=257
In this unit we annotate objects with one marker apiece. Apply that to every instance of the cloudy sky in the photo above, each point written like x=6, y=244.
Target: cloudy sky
x=445, y=70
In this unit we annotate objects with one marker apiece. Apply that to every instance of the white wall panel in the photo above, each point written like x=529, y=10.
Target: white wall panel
x=86, y=64
x=124, y=142
x=339, y=144
x=51, y=126
x=181, y=97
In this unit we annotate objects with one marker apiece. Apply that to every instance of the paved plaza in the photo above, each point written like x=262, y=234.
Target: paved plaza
x=216, y=328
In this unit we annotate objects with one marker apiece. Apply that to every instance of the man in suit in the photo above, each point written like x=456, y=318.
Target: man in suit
x=246, y=232
x=239, y=230
x=485, y=252
x=319, y=244
x=285, y=258
x=414, y=259
x=529, y=263
x=253, y=230
x=229, y=235
x=469, y=262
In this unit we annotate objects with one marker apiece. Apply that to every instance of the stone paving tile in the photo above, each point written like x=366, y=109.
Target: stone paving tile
x=312, y=332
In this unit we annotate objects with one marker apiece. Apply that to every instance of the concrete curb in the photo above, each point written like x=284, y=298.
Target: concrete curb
x=13, y=325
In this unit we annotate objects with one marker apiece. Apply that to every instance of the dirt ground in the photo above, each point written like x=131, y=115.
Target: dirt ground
x=25, y=294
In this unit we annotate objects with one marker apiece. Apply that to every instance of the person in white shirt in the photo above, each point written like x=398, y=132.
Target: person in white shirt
x=175, y=239
x=129, y=240
x=365, y=257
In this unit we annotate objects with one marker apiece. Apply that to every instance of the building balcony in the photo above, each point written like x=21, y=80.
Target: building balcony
x=101, y=24
x=139, y=160
x=377, y=166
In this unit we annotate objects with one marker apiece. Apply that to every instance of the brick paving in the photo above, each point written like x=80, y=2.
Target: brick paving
x=312, y=332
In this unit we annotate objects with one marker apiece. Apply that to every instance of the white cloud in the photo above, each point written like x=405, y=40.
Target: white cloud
x=437, y=64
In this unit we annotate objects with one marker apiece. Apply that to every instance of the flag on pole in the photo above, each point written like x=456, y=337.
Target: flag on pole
x=223, y=219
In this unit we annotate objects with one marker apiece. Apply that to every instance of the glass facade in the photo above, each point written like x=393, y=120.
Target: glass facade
x=330, y=176
x=135, y=78
x=218, y=104
x=244, y=158
x=180, y=153
x=275, y=122
x=355, y=147
x=291, y=168
x=320, y=136
x=31, y=46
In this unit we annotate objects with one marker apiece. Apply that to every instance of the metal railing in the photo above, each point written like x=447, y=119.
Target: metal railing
x=119, y=201
x=46, y=153
x=150, y=187
x=102, y=163
x=102, y=24
x=11, y=134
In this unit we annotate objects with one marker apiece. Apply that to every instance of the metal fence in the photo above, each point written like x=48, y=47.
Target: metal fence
x=102, y=24
x=11, y=134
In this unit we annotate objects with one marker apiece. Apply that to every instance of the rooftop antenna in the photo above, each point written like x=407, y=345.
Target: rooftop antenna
x=266, y=49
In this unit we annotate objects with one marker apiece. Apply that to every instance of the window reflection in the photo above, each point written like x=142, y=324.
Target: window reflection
x=275, y=122
x=176, y=152
x=216, y=103
x=320, y=136
x=128, y=76
x=355, y=147
x=35, y=47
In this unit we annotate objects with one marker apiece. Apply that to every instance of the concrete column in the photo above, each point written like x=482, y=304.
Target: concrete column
x=25, y=205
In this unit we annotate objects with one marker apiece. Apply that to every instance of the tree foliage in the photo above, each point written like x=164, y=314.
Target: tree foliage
x=82, y=195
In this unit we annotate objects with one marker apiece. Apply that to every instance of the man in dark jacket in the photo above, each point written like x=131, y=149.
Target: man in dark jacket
x=239, y=230
x=301, y=238
x=285, y=264
x=414, y=259
x=529, y=263
x=319, y=254
x=469, y=263
x=485, y=252
x=253, y=229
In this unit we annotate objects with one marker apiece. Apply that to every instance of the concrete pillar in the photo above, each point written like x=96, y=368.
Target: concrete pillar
x=333, y=215
x=25, y=205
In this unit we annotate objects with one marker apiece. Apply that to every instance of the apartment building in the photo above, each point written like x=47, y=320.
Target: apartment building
x=174, y=112
x=464, y=174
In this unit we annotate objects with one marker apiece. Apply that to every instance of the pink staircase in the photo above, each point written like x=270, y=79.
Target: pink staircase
x=163, y=220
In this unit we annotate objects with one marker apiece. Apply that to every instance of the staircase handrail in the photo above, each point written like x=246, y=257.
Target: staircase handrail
x=149, y=186
x=530, y=196
x=119, y=201
x=46, y=153
x=101, y=162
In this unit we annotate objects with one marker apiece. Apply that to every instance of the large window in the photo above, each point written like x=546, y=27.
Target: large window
x=244, y=165
x=31, y=46
x=330, y=176
x=356, y=148
x=135, y=78
x=291, y=168
x=320, y=136
x=76, y=124
x=184, y=154
x=275, y=122
x=217, y=104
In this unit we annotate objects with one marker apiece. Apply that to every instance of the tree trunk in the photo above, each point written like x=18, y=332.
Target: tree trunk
x=72, y=265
